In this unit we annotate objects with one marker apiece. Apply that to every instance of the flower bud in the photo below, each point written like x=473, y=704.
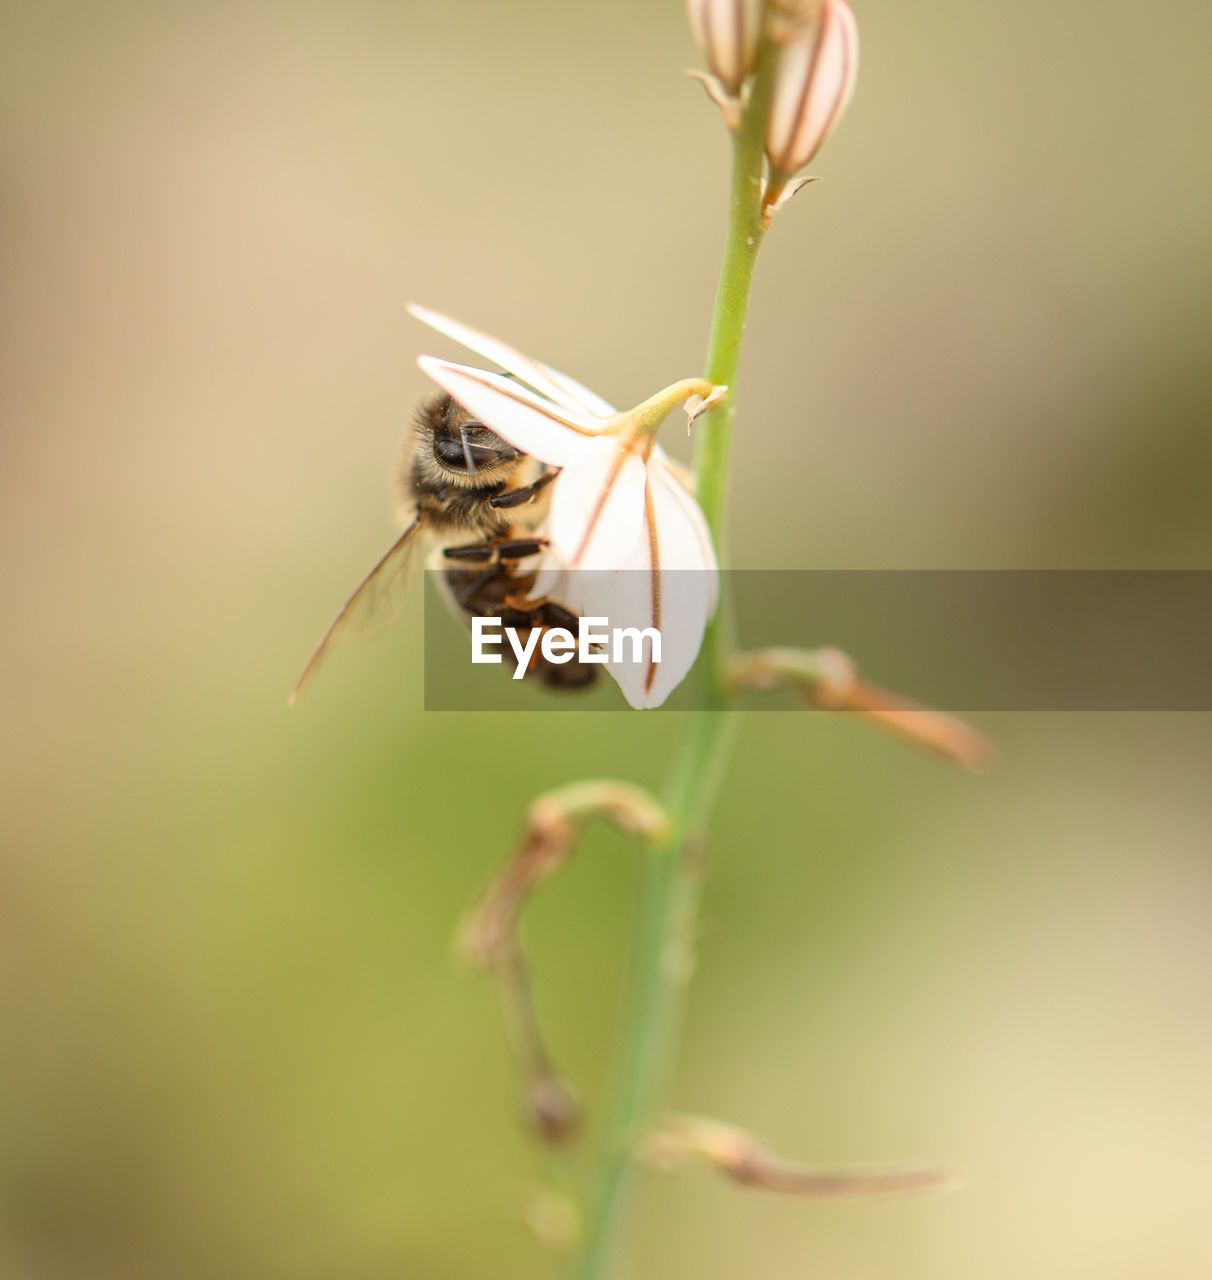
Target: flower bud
x=728, y=32
x=817, y=66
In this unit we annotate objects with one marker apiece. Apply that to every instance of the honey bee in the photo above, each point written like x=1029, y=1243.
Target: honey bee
x=481, y=501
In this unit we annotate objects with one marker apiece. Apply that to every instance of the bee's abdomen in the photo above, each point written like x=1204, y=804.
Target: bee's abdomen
x=502, y=591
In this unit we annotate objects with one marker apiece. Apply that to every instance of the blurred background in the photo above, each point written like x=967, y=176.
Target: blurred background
x=234, y=1043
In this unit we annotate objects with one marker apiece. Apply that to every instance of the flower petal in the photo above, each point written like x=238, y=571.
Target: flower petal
x=551, y=382
x=698, y=552
x=669, y=582
x=676, y=468
x=597, y=506
x=525, y=420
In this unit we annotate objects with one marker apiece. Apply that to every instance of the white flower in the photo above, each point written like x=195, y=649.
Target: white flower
x=620, y=516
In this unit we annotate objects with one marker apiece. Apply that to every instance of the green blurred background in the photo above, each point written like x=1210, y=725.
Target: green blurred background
x=234, y=1044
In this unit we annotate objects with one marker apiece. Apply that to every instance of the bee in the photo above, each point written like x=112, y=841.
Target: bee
x=481, y=501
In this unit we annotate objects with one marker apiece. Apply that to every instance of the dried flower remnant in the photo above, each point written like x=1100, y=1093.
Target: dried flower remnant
x=627, y=538
x=489, y=938
x=828, y=680
x=818, y=50
x=549, y=835
x=746, y=1159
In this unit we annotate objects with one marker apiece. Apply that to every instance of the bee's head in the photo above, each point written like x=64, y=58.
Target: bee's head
x=464, y=448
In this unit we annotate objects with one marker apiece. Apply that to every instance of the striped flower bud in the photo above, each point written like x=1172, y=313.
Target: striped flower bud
x=817, y=67
x=728, y=32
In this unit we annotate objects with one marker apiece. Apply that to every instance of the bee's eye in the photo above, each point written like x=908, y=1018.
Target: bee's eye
x=450, y=451
x=458, y=453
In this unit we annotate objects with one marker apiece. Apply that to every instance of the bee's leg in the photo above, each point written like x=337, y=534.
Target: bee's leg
x=520, y=548
x=479, y=553
x=551, y=614
x=546, y=612
x=555, y=615
x=542, y=612
x=519, y=497
x=483, y=552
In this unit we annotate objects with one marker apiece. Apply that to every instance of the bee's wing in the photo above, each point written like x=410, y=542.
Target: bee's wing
x=376, y=601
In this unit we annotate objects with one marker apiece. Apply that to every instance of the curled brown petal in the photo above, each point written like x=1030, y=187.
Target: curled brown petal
x=829, y=680
x=489, y=937
x=747, y=1160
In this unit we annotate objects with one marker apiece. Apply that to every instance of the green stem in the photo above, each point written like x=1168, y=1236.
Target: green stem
x=745, y=233
x=664, y=944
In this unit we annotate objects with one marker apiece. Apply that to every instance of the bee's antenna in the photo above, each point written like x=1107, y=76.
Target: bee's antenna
x=471, y=466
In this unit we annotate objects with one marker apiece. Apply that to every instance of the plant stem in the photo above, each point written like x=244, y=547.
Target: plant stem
x=741, y=247
x=665, y=933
